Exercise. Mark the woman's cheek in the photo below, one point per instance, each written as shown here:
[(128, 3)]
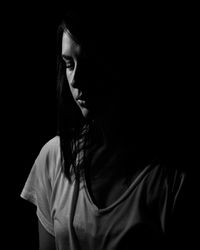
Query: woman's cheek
[(69, 76)]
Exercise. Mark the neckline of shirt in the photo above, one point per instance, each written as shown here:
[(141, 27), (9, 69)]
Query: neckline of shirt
[(125, 194)]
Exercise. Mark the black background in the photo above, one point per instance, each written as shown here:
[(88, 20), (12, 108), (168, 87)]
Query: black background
[(28, 97), (28, 116)]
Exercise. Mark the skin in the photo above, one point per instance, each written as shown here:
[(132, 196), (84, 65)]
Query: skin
[(71, 54)]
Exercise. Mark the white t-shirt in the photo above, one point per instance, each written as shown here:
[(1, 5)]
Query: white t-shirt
[(66, 210)]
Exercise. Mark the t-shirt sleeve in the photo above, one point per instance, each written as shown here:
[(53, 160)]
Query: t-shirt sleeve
[(38, 190)]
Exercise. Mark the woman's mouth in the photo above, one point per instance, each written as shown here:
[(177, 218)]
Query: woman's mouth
[(81, 102)]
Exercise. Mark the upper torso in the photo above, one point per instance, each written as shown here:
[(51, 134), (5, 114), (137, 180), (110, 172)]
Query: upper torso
[(135, 213)]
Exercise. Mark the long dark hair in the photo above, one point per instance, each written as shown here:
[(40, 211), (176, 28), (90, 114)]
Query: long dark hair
[(70, 121)]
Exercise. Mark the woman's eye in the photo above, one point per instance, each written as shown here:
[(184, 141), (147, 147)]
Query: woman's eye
[(68, 62)]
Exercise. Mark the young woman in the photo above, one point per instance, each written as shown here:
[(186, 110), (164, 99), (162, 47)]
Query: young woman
[(97, 184)]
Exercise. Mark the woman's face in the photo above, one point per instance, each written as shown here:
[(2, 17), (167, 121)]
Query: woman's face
[(88, 73), (76, 76)]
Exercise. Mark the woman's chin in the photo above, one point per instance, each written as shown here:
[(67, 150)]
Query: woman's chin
[(85, 112)]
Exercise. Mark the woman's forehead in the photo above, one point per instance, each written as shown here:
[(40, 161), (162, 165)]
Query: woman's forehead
[(90, 49), (69, 46)]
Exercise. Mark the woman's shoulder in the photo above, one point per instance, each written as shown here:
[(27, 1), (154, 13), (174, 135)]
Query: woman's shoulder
[(51, 147), (49, 155), (52, 143), (165, 179), (165, 169), (166, 173)]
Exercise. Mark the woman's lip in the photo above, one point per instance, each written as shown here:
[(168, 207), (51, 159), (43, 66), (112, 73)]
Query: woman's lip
[(81, 101)]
